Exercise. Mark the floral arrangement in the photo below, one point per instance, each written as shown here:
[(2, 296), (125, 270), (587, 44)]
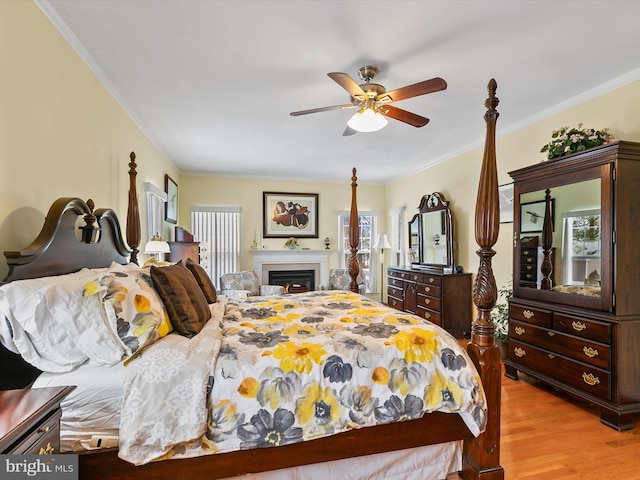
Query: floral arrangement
[(500, 313), (291, 243), (571, 140)]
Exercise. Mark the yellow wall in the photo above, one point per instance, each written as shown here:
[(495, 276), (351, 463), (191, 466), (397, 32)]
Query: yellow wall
[(247, 194), (63, 134)]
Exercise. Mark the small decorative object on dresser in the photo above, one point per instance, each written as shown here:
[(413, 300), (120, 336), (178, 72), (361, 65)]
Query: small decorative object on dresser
[(574, 318), (30, 420)]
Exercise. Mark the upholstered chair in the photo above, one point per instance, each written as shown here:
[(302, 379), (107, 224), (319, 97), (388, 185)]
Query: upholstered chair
[(246, 284), (339, 279)]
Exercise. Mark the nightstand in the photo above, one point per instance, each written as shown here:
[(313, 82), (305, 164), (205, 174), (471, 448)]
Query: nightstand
[(30, 420)]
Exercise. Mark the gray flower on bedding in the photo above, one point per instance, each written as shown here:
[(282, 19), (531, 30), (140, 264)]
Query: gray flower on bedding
[(376, 330), (265, 430), (262, 340), (339, 305), (452, 361), (278, 388), (259, 312), (360, 402), (336, 370), (397, 410), (312, 319)]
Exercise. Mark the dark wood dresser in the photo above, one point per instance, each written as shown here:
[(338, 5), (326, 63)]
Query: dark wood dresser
[(580, 331), (184, 250), (30, 420), (442, 299)]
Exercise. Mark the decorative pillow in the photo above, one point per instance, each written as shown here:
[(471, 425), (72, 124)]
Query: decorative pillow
[(185, 303), (134, 309), (55, 325), (201, 276)]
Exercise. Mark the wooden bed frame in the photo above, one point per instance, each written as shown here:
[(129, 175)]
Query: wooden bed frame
[(56, 251)]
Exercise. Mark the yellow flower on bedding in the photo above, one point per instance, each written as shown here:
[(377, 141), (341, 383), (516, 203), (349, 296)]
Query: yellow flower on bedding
[(367, 312), (142, 304), (319, 405), (285, 318), (298, 330), (249, 387), (417, 344), (442, 391), (298, 356), (93, 287), (400, 319), (380, 376)]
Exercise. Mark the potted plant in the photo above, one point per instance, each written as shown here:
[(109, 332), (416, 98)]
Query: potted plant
[(500, 317), (566, 141)]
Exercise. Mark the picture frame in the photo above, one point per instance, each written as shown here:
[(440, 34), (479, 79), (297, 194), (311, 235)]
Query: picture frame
[(532, 216), (289, 215), (505, 193), (171, 206)]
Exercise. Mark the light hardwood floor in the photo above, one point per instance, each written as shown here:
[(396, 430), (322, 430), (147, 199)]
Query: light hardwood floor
[(547, 435)]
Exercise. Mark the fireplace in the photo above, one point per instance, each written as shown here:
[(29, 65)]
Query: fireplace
[(267, 261), (293, 281)]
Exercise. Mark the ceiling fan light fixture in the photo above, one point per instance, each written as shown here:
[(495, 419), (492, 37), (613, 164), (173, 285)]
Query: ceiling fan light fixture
[(367, 120)]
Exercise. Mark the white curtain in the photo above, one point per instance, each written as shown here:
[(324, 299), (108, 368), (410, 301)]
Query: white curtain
[(156, 199), (398, 235), (219, 228)]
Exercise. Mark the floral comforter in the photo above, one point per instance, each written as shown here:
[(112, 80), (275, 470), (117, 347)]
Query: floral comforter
[(299, 367)]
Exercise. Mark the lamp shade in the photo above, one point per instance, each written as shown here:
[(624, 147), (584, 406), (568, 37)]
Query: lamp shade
[(382, 242), (156, 245), (367, 120)]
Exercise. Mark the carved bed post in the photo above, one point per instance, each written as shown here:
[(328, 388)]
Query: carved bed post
[(482, 455), (133, 213), (354, 235), (546, 267)]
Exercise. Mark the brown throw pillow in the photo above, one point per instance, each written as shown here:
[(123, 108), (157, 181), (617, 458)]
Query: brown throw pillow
[(205, 283), (186, 305)]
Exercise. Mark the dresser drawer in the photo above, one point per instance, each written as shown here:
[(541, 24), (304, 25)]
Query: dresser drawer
[(395, 303), (399, 274), (530, 315), (433, 280), (43, 440), (428, 289), (431, 303), (432, 316), (395, 282), (530, 277), (394, 291), (595, 354), (581, 327), (584, 377)]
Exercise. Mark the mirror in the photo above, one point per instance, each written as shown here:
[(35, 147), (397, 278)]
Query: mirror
[(576, 239), (431, 234)]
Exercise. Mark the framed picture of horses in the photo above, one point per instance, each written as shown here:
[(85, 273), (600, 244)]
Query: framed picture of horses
[(290, 215)]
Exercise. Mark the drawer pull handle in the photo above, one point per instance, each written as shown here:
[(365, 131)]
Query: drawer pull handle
[(44, 430), (519, 330), (427, 315), (590, 379), (431, 279), (578, 326), (590, 352), (528, 314), (48, 450), (519, 352), (403, 275), (427, 301), (551, 356), (427, 289), (551, 334)]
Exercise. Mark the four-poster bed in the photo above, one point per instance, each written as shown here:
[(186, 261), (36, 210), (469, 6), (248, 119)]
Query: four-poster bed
[(56, 252)]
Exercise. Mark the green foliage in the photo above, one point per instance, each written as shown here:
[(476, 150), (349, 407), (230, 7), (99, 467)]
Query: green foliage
[(566, 141), (500, 313)]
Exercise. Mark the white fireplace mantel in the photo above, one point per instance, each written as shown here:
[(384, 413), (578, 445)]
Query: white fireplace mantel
[(263, 259)]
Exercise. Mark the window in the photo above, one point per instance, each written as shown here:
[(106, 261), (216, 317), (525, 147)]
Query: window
[(219, 228), (398, 236), (367, 223)]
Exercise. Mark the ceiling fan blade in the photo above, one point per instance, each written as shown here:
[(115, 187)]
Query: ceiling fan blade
[(403, 116), (348, 83), (349, 131), (415, 90), (322, 109)]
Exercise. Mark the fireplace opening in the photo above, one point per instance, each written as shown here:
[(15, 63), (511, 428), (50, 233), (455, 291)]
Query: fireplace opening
[(293, 281)]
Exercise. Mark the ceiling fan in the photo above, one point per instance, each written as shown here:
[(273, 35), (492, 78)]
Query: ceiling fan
[(374, 102)]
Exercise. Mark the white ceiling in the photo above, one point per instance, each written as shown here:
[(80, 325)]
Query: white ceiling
[(212, 82)]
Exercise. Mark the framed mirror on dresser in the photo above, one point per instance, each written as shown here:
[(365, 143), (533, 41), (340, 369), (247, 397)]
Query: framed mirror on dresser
[(575, 312), (430, 286)]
